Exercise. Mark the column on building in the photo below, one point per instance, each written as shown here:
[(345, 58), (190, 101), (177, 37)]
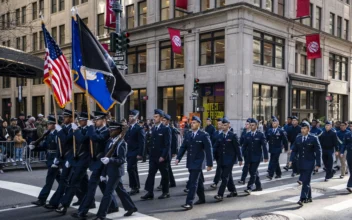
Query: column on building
[(151, 78), (29, 96), (47, 101), (13, 97)]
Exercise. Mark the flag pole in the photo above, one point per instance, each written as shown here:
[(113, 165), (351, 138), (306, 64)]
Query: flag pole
[(88, 106), (73, 94), (52, 96)]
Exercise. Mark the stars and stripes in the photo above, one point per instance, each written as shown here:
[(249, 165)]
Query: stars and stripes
[(56, 64)]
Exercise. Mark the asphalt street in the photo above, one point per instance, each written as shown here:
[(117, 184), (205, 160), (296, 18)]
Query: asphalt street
[(277, 201)]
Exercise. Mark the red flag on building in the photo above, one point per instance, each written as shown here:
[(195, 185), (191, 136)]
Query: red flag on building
[(182, 4), (110, 19), (175, 38), (313, 46), (303, 8), (106, 47)]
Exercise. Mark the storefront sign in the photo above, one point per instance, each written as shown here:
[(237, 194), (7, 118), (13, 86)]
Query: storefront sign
[(308, 85), (219, 89), (207, 90)]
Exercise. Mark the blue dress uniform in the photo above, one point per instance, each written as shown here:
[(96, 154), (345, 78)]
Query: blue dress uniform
[(218, 171), (198, 147), (50, 146), (308, 151), (161, 147), (135, 138), (227, 148), (254, 147), (79, 180), (246, 165), (291, 135), (99, 137), (347, 148), (115, 170), (329, 144), (315, 130), (276, 139), (66, 138)]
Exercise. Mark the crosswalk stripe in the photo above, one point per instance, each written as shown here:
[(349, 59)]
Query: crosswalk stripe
[(340, 206), (295, 199), (339, 187)]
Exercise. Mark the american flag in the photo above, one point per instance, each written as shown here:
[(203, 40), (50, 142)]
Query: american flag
[(56, 64)]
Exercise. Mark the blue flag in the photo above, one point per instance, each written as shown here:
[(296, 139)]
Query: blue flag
[(97, 81)]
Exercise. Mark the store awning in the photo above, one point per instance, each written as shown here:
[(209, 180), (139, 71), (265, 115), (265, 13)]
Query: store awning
[(16, 63)]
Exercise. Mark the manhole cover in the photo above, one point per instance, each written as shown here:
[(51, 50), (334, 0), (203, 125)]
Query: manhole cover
[(269, 216)]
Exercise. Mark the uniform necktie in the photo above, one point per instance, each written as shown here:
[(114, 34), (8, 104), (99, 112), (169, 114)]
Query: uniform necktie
[(253, 134), (304, 139), (274, 131)]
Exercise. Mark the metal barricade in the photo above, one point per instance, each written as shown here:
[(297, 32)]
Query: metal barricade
[(34, 157), (13, 155)]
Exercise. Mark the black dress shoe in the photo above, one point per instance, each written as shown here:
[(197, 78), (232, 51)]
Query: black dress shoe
[(61, 210), (187, 206), (164, 196), (293, 175), (92, 206), (308, 200), (248, 191), (300, 202), (299, 182), (147, 196), (277, 177), (113, 210), (79, 215), (269, 177), (286, 168), (199, 202), (186, 190), (78, 203), (130, 212), (133, 192), (232, 194), (38, 202), (214, 186), (257, 189), (324, 169), (341, 177), (241, 182), (159, 187), (349, 189), (219, 198), (51, 207)]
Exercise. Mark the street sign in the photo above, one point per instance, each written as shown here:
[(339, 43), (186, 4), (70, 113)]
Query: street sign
[(195, 94), (193, 98), (122, 67), (119, 58)]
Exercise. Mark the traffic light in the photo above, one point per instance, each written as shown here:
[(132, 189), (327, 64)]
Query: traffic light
[(119, 41), (196, 85)]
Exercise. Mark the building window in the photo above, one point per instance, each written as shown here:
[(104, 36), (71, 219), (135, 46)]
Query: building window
[(38, 81), (8, 19), (167, 58), (23, 19), (62, 5), (75, 2), (312, 67), (303, 69), (21, 82), (219, 3), (142, 13), (338, 67), (18, 17), (62, 34), (24, 43), (18, 43), (269, 5), (54, 33), (41, 6), (268, 50), (266, 101), (137, 59), (258, 3), (35, 41), (339, 26), (332, 24), (337, 106), (100, 24), (84, 1), (164, 10), (8, 43), (136, 101), (212, 48), (37, 105), (53, 6), (85, 21), (34, 11), (318, 18), (177, 12), (130, 16), (281, 7), (3, 21), (41, 40), (345, 30), (311, 15), (21, 107), (204, 5), (6, 82)]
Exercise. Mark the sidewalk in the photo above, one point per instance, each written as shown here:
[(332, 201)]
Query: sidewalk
[(35, 166)]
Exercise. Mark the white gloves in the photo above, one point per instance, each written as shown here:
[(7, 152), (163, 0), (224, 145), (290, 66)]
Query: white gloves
[(67, 164), (105, 160), (58, 127), (90, 122), (31, 146), (56, 162), (54, 166), (74, 126), (102, 178), (6, 136)]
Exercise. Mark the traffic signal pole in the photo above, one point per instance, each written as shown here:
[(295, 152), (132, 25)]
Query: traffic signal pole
[(117, 7)]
